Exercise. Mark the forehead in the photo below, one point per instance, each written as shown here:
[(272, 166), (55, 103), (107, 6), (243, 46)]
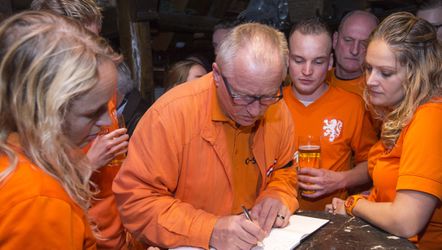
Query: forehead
[(314, 45), (380, 54), (358, 26), (433, 15)]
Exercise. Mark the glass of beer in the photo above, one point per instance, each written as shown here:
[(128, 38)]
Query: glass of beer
[(309, 154)]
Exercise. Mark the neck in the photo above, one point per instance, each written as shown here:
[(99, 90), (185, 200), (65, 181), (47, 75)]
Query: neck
[(312, 97), (345, 75)]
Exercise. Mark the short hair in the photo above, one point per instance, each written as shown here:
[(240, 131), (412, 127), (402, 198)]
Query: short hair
[(353, 12), (429, 4), (414, 43), (85, 11), (265, 44), (179, 72), (125, 82), (47, 62), (311, 26)]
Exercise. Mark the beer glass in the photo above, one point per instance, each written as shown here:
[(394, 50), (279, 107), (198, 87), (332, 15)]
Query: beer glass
[(309, 154)]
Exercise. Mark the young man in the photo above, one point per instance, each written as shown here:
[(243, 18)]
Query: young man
[(349, 44), (335, 115), (206, 149)]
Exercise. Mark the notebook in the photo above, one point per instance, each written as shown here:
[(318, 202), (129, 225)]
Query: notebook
[(289, 237), (285, 238)]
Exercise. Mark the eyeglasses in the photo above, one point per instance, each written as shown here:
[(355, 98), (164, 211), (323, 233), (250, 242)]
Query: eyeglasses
[(245, 100)]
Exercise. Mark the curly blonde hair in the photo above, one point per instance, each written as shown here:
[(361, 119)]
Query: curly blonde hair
[(414, 42), (47, 61)]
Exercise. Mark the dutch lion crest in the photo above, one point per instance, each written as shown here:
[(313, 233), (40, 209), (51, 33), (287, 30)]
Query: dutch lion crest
[(332, 129)]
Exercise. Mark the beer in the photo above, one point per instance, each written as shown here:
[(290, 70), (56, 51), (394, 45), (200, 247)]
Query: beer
[(309, 156)]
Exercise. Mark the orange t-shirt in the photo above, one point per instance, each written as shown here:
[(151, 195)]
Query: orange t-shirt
[(36, 212), (355, 86), (339, 117), (179, 174), (414, 163)]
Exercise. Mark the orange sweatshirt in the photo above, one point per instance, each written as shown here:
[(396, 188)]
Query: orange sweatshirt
[(179, 175), (415, 163), (36, 212)]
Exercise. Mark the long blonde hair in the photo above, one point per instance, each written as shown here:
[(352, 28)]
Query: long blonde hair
[(47, 61), (414, 42)]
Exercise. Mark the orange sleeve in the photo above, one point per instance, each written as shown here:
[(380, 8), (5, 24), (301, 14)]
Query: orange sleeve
[(43, 223), (144, 190), (421, 161)]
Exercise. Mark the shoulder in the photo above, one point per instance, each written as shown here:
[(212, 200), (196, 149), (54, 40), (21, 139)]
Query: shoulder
[(29, 182)]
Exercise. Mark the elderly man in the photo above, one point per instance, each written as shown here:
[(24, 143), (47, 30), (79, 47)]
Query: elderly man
[(349, 44), (336, 116), (208, 148), (431, 10)]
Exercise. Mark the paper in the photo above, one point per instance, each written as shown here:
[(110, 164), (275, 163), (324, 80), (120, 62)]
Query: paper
[(285, 238), (289, 237)]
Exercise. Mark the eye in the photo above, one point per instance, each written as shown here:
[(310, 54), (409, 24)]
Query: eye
[(386, 74), (368, 69), (347, 39), (319, 62), (97, 113)]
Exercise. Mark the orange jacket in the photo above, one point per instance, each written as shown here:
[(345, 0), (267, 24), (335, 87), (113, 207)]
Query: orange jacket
[(177, 178), (36, 212), (355, 86), (339, 117), (415, 163)]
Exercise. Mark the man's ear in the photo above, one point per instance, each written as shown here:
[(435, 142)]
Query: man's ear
[(216, 73), (335, 39), (330, 62)]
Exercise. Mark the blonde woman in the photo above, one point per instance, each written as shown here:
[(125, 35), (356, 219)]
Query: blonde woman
[(56, 79), (404, 80)]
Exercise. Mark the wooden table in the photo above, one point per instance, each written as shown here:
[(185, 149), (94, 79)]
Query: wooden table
[(344, 232)]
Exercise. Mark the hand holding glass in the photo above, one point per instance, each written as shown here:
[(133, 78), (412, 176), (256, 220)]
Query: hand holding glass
[(309, 154)]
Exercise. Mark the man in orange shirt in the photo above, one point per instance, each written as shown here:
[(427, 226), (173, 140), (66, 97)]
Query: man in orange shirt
[(349, 44), (208, 147), (335, 115)]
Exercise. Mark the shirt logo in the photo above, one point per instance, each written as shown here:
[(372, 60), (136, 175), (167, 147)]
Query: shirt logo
[(332, 129)]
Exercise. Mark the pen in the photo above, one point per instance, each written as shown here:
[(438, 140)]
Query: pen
[(247, 215)]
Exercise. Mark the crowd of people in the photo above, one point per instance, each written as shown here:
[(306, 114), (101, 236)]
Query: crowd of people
[(85, 163)]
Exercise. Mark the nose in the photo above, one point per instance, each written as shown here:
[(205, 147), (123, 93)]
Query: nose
[(370, 78), (354, 50), (254, 108), (104, 120), (307, 69)]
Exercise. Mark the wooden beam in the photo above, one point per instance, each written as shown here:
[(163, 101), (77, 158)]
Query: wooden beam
[(186, 23), (135, 42)]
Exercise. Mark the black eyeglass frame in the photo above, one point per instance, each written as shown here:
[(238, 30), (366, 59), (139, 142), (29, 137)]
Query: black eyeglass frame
[(238, 97)]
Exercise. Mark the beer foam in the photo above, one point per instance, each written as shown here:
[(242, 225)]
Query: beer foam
[(309, 147)]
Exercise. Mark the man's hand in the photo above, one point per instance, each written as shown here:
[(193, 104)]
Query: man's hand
[(322, 181), (235, 232), (105, 147), (271, 212)]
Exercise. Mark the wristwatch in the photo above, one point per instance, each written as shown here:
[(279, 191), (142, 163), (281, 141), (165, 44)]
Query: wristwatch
[(350, 203)]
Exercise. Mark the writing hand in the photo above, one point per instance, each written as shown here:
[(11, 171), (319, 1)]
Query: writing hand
[(235, 232), (270, 212)]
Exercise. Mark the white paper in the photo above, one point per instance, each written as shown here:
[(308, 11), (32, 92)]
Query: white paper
[(289, 237)]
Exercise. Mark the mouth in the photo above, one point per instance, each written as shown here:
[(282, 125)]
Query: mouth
[(372, 92), (305, 81)]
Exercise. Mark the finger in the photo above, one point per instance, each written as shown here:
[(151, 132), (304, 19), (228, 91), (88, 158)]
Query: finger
[(309, 171), (309, 186), (119, 147), (329, 208), (118, 132), (253, 233), (270, 219)]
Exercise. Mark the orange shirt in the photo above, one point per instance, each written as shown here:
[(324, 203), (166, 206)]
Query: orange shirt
[(415, 163), (339, 117), (179, 175), (36, 212), (355, 86)]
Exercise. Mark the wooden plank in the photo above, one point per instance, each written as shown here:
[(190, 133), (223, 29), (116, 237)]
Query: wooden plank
[(136, 47)]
